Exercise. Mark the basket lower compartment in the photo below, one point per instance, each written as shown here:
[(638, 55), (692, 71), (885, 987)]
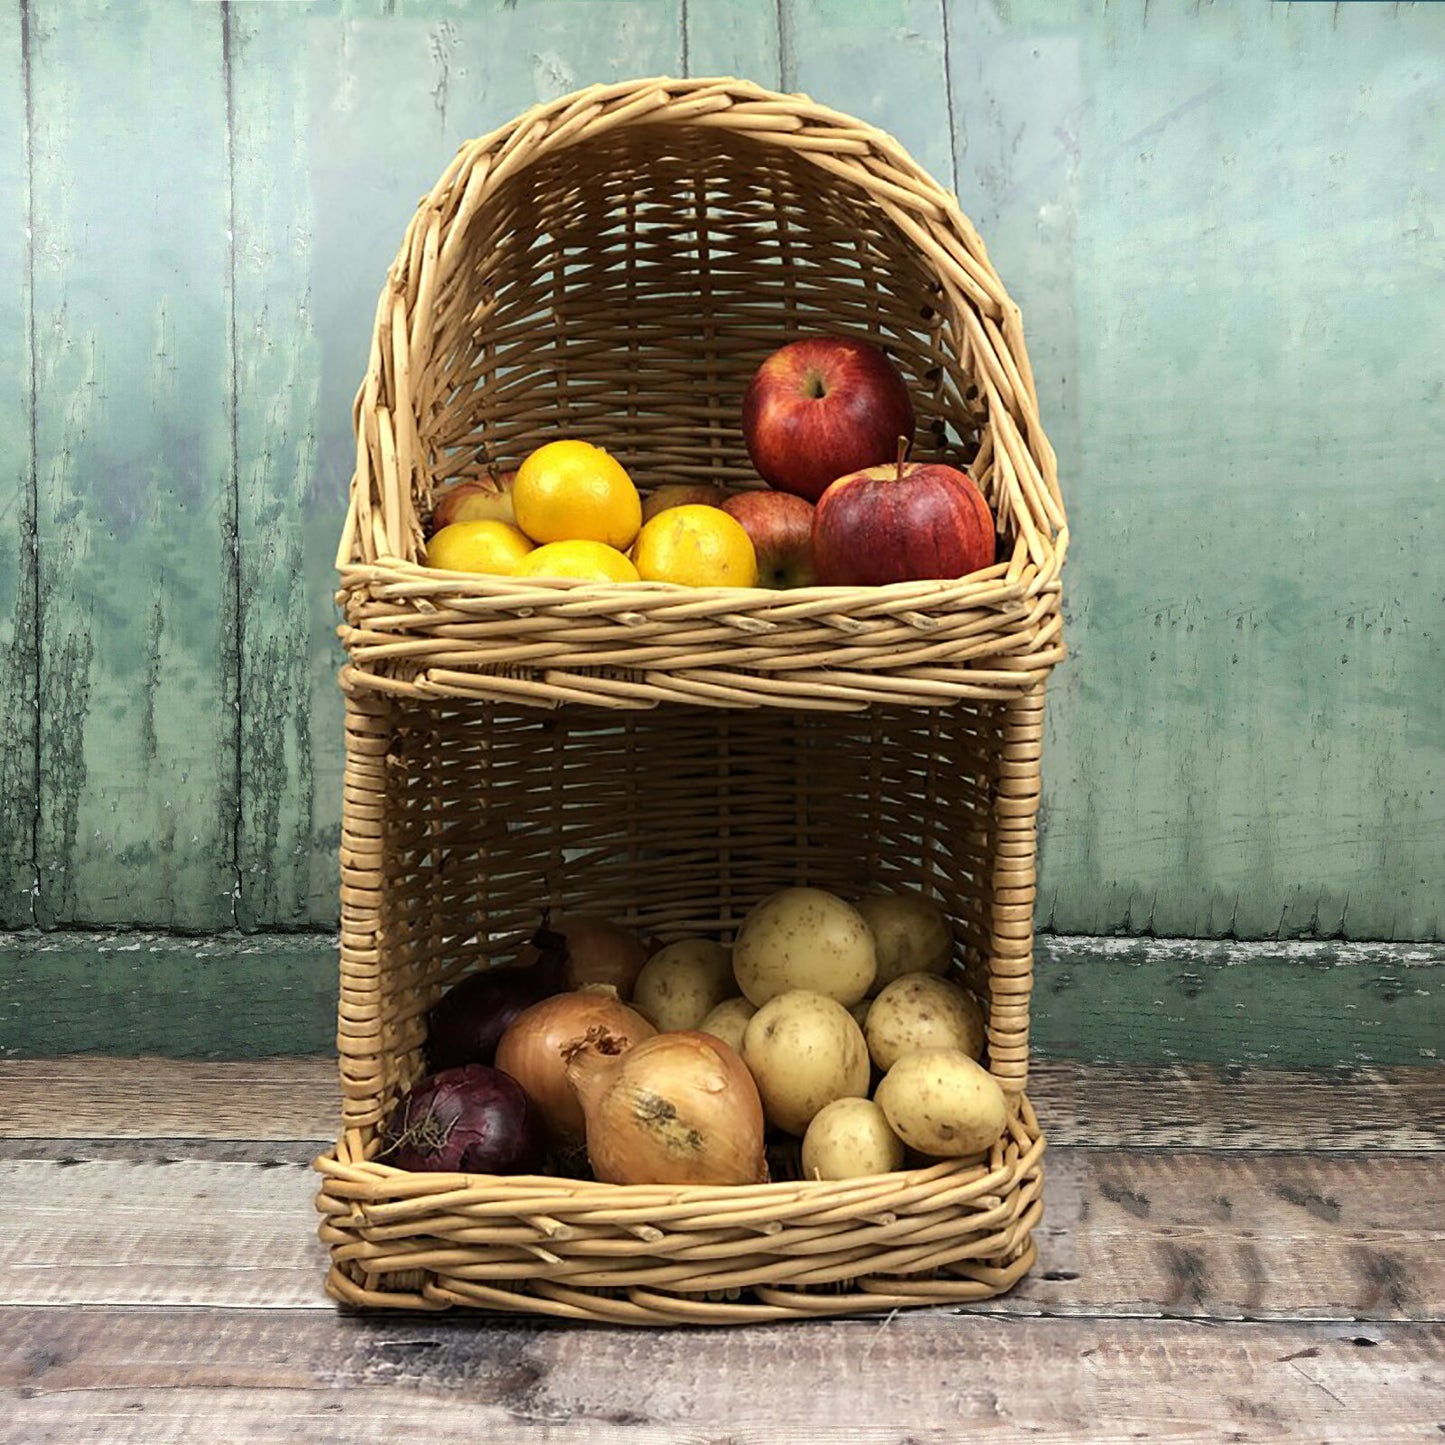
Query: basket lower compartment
[(953, 1233)]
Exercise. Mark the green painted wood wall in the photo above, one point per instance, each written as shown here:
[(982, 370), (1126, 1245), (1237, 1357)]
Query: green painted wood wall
[(1224, 224)]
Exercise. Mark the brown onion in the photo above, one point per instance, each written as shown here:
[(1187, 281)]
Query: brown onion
[(534, 1050), (675, 1109), (600, 951)]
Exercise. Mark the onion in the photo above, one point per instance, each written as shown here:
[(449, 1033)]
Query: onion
[(534, 1050), (472, 1120), (675, 1109), (465, 1023), (600, 951)]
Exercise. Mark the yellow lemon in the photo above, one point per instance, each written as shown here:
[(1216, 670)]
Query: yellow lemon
[(589, 561), (698, 547), (478, 547), (572, 491)]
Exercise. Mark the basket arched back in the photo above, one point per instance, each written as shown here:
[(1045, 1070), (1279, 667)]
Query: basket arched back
[(614, 265)]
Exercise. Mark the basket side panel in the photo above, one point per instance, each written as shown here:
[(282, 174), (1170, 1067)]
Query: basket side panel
[(467, 823)]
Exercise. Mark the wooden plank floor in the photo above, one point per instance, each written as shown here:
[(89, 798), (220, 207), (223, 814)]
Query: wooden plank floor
[(1226, 1255)]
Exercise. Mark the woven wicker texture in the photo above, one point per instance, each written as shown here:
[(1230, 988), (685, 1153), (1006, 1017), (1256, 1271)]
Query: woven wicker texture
[(614, 266)]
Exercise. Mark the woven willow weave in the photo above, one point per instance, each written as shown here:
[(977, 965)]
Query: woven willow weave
[(613, 266)]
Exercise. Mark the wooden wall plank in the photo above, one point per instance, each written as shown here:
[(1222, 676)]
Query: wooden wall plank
[(1139, 1001), (932, 1379), (884, 61), (1194, 1235), (18, 658), (733, 37), (1365, 1111), (447, 73), (1247, 739), (277, 379), (137, 567)]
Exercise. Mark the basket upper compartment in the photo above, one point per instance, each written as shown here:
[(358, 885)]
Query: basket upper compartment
[(614, 266)]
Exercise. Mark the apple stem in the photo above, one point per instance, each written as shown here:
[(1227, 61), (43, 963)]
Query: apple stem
[(902, 457)]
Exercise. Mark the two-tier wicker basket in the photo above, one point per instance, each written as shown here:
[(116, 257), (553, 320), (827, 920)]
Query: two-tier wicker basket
[(613, 266)]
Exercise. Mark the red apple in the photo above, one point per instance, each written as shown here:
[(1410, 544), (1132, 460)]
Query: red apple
[(903, 522), (821, 407), (478, 499), (682, 494), (781, 528)]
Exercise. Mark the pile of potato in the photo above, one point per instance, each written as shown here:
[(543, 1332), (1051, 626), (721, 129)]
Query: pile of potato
[(816, 995)]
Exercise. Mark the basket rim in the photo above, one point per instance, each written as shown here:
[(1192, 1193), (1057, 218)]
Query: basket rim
[(841, 146)]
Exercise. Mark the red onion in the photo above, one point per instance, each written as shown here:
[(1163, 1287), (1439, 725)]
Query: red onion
[(472, 1120), (466, 1023)]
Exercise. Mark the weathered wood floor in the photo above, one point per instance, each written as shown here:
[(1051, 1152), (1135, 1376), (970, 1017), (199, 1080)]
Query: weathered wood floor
[(1227, 1255)]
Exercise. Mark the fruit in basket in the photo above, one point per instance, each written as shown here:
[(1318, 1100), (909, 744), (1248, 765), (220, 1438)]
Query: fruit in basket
[(682, 494), (696, 547), (472, 1120), (849, 1139), (804, 1050), (534, 1051), (911, 933), (478, 547), (579, 560), (681, 984), (729, 1021), (680, 1108), (569, 491), (821, 407), (476, 499), (780, 527), (921, 1011), (942, 1103), (804, 938), (902, 522)]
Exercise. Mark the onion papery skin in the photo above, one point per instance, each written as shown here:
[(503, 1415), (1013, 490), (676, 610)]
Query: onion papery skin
[(679, 1108), (600, 951), (472, 1120), (534, 1051), (467, 1022)]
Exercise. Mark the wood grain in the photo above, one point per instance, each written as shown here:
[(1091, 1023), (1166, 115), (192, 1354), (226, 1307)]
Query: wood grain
[(276, 360), (1089, 1105), (266, 1374), (733, 37), (1200, 1235), (883, 61), (18, 659), (137, 568), (1249, 739)]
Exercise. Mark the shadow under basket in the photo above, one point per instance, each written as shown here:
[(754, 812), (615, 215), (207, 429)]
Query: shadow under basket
[(615, 265)]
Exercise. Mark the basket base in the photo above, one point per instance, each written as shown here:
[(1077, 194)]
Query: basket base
[(951, 1234)]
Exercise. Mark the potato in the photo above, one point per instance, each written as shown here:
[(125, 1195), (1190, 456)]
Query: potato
[(940, 1102), (682, 983), (849, 1138), (911, 934), (803, 938), (859, 1011), (728, 1021), (804, 1051), (921, 1011)]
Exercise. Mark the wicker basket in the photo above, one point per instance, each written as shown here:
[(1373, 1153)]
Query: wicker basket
[(613, 266)]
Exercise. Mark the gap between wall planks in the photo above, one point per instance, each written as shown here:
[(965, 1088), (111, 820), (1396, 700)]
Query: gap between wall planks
[(1156, 1001)]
